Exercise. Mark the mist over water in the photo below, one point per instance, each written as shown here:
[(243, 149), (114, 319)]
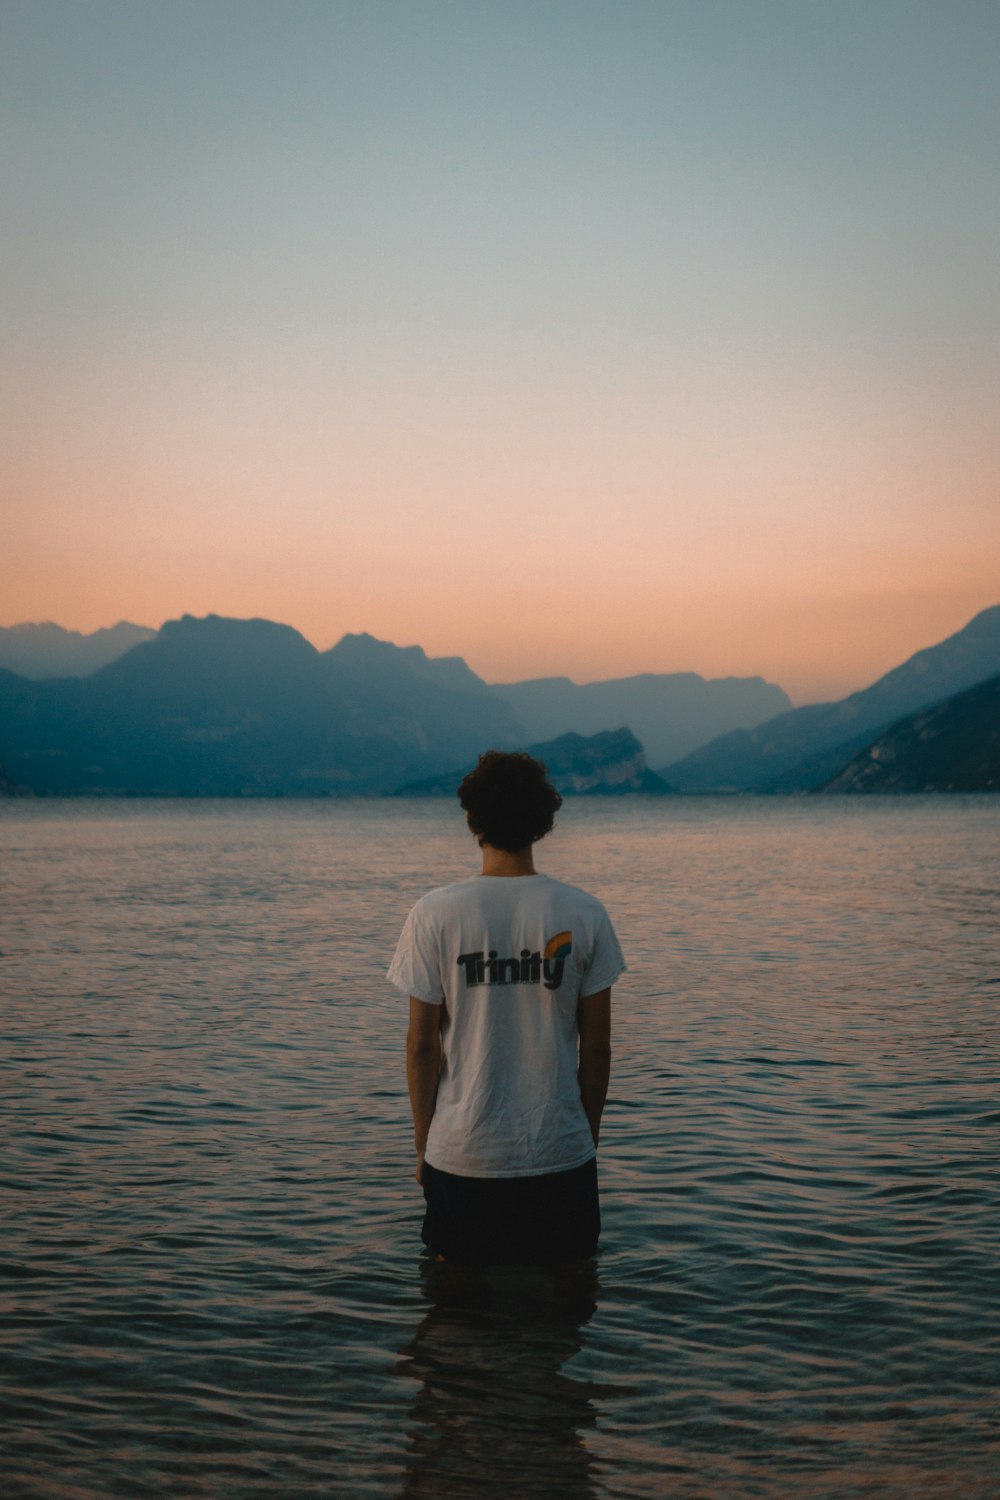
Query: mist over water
[(211, 1278)]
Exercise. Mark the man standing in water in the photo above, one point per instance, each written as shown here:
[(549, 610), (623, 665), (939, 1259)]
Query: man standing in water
[(508, 1050)]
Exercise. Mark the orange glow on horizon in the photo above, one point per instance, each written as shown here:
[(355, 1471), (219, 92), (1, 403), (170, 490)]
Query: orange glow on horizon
[(678, 366)]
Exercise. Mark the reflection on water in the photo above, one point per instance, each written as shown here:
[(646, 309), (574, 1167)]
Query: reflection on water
[(211, 1280), (495, 1414)]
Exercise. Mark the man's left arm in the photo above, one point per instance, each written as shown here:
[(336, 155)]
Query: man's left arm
[(423, 1067), (594, 1022)]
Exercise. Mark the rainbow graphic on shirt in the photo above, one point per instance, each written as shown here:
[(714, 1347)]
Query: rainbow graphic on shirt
[(560, 946)]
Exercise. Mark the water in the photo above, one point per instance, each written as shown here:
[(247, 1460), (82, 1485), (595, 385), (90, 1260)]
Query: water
[(211, 1279)]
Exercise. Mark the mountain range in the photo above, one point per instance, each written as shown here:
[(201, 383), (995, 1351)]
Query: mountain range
[(49, 650), (670, 713), (225, 707), (806, 747), (248, 707), (217, 707)]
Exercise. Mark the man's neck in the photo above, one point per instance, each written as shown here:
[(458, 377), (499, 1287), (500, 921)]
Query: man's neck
[(507, 861)]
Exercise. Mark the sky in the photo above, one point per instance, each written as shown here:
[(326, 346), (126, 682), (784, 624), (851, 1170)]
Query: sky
[(565, 336)]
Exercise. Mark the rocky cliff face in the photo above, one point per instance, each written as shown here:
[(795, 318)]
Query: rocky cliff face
[(608, 764), (611, 764), (953, 747)]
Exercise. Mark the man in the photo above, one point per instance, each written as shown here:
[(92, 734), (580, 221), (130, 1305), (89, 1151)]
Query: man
[(508, 1051)]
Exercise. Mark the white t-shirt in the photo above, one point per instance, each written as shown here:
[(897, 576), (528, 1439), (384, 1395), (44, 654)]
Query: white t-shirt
[(509, 958)]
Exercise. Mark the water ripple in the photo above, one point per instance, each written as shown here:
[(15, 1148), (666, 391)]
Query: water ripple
[(210, 1272)]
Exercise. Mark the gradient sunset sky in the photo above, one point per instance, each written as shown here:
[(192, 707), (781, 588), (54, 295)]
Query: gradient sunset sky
[(576, 337)]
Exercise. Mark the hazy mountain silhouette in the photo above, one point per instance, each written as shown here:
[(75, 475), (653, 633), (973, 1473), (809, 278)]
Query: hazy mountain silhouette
[(248, 707), (808, 746), (48, 650), (612, 763), (952, 747), (221, 707), (671, 713)]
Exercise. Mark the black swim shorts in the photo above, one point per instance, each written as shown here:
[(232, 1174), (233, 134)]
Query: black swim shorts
[(482, 1221)]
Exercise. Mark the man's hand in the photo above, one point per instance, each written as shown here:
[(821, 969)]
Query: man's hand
[(594, 1021), (419, 1174)]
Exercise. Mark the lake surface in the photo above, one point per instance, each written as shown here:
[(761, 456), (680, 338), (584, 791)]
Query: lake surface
[(211, 1277)]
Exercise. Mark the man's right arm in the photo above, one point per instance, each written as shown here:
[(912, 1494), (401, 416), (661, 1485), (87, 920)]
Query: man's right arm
[(594, 1024)]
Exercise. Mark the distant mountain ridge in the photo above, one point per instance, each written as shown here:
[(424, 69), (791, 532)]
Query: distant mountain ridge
[(49, 650), (806, 747), (222, 707), (671, 713), (218, 707)]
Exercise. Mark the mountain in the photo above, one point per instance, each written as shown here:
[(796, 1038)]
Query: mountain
[(953, 747), (395, 682), (41, 651), (226, 707), (223, 707), (805, 748), (612, 763), (671, 713)]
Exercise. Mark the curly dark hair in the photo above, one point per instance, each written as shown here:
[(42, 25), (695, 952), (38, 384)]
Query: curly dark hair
[(509, 799)]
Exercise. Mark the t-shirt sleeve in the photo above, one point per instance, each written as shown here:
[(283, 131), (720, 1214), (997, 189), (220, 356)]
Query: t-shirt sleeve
[(607, 961), (416, 968)]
